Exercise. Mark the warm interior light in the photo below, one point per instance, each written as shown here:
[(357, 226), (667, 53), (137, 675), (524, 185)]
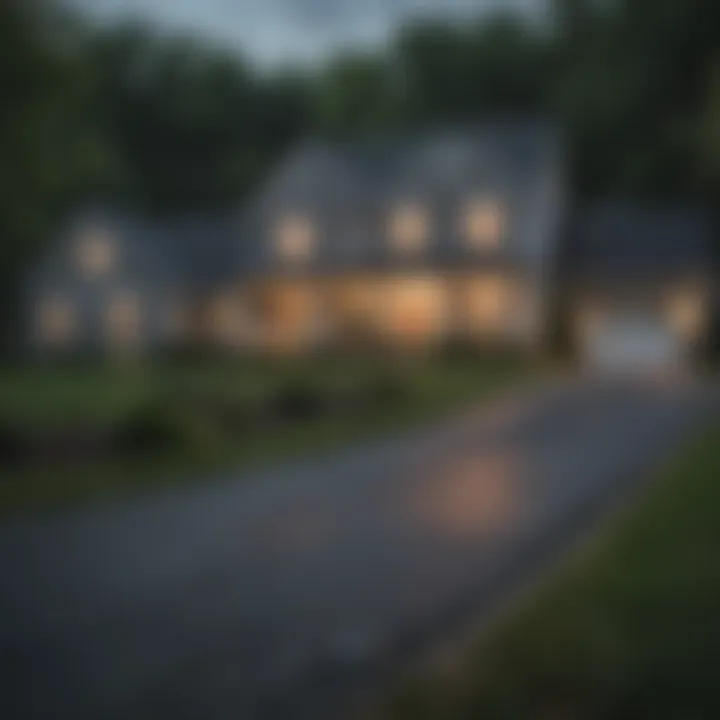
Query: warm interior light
[(686, 312), (409, 228), (483, 224), (123, 318), (96, 252), (295, 238)]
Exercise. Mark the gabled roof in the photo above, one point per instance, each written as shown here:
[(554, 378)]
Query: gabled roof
[(348, 188), (618, 240), (437, 160)]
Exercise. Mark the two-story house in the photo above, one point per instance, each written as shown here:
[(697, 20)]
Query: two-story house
[(406, 242)]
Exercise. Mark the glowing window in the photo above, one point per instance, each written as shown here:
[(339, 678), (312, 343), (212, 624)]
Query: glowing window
[(686, 312), (56, 322), (409, 228), (96, 252), (123, 318), (488, 302), (295, 238), (483, 224)]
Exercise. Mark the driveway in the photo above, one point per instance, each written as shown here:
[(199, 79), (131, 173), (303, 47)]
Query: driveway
[(284, 593)]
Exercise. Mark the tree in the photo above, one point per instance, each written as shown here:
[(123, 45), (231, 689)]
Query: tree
[(49, 147)]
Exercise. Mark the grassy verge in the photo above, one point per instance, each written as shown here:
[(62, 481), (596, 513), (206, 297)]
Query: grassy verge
[(43, 399), (632, 630)]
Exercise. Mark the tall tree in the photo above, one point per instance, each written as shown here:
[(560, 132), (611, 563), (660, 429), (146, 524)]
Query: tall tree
[(49, 146)]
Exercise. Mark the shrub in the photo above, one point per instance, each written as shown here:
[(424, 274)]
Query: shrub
[(14, 445), (227, 412), (299, 400), (157, 426), (388, 387), (466, 349), (460, 348)]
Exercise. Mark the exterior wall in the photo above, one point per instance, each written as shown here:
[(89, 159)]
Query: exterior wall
[(118, 302)]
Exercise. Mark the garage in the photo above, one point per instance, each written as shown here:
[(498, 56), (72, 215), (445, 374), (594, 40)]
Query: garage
[(632, 342), (641, 285)]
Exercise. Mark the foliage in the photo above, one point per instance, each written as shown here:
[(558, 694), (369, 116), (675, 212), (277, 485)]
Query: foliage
[(388, 386), (159, 425), (13, 443), (299, 399)]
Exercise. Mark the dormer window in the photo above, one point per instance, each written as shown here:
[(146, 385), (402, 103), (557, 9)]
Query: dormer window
[(409, 228), (95, 252), (295, 238), (483, 224)]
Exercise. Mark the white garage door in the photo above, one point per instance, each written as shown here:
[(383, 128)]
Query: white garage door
[(633, 343)]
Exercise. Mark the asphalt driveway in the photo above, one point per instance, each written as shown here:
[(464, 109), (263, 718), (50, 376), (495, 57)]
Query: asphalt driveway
[(283, 593)]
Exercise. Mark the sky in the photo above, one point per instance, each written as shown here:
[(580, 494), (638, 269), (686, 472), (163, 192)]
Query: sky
[(272, 32)]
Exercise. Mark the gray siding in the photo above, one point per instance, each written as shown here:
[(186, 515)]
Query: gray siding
[(136, 269)]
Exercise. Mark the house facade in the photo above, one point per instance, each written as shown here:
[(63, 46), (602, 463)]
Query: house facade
[(407, 243)]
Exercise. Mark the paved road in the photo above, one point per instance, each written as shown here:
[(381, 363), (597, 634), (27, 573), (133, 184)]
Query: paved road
[(277, 595)]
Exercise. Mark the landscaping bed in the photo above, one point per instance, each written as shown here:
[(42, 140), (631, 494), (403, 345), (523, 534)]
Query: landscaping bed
[(75, 432)]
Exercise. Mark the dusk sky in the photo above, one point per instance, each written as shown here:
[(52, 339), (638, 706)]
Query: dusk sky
[(269, 31)]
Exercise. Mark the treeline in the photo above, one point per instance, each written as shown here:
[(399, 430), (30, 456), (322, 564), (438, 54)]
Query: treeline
[(176, 124)]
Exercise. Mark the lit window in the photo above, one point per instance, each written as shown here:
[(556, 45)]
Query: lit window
[(295, 238), (123, 319), (96, 252), (415, 308), (55, 319), (409, 228), (488, 302), (483, 224), (686, 312)]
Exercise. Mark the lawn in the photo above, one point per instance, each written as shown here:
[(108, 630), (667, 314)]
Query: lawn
[(630, 630), (196, 419)]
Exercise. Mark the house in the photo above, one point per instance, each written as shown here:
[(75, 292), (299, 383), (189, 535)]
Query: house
[(111, 282), (405, 242), (410, 241)]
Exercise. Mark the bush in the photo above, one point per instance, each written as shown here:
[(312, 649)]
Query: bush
[(388, 387), (159, 426), (227, 412), (14, 445), (460, 348), (298, 400), (464, 349)]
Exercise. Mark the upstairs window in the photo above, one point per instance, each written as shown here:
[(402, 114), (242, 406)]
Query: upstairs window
[(483, 224), (96, 252), (409, 228), (295, 238)]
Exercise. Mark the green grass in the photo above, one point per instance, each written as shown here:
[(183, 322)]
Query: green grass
[(630, 631), (51, 399)]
